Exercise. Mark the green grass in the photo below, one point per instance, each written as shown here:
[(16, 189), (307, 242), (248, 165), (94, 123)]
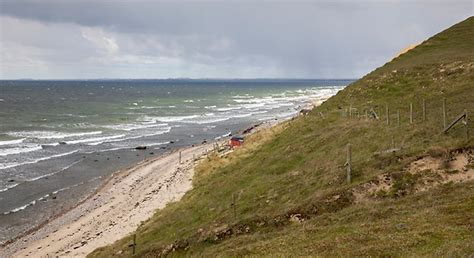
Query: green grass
[(298, 168)]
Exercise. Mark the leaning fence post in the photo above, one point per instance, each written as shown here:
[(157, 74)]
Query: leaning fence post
[(444, 112), (179, 157), (349, 163), (424, 110), (411, 113), (387, 113)]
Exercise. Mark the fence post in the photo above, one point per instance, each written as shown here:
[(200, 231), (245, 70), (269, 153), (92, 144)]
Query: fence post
[(398, 118), (411, 113), (366, 115), (424, 110), (350, 111), (134, 244), (466, 124), (387, 113), (349, 163), (444, 112), (234, 205), (179, 157)]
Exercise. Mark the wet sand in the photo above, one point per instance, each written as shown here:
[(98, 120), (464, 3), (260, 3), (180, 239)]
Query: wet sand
[(115, 210)]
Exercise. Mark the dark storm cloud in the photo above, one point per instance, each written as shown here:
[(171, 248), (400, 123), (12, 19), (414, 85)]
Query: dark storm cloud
[(283, 39)]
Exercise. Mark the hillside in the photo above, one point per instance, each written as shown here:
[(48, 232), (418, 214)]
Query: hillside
[(411, 190)]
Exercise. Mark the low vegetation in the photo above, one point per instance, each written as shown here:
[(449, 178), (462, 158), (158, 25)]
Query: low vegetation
[(285, 191)]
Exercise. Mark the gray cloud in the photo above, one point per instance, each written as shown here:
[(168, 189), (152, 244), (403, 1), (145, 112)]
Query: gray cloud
[(90, 39)]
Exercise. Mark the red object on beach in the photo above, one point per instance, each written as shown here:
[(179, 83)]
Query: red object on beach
[(236, 141)]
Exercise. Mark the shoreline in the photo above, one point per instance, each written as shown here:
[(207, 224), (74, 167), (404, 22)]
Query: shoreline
[(55, 236), (59, 237)]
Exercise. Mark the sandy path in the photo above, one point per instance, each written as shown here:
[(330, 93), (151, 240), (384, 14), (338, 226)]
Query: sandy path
[(117, 209)]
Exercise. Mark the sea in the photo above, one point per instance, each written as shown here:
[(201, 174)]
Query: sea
[(60, 139)]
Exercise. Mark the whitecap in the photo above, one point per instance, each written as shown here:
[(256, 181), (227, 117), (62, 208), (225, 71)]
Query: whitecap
[(18, 150), (16, 164), (50, 134), (12, 142)]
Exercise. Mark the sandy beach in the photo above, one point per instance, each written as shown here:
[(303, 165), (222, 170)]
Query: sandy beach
[(117, 209)]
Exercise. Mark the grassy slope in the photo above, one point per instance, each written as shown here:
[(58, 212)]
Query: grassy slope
[(297, 168)]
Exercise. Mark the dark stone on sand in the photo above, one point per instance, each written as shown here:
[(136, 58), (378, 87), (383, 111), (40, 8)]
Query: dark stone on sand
[(171, 142), (140, 148), (203, 142), (151, 153), (95, 160), (11, 180), (62, 143), (163, 148), (54, 197)]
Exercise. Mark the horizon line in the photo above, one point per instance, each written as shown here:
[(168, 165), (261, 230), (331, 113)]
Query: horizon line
[(164, 79)]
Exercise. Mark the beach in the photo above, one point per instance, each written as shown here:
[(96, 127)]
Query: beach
[(58, 169), (116, 209)]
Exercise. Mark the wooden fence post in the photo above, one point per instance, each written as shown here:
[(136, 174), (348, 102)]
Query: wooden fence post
[(398, 118), (234, 205), (444, 112), (349, 163), (134, 244), (466, 124), (411, 113), (424, 110), (179, 157), (387, 113)]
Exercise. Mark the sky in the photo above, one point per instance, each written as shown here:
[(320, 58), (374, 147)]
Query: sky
[(85, 39)]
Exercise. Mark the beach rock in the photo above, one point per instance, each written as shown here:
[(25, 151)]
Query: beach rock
[(296, 218), (62, 143), (151, 153), (11, 180), (140, 148)]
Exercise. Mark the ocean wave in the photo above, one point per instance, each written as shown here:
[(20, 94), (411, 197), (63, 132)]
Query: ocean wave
[(242, 97), (12, 142), (97, 139), (228, 108), (18, 150), (15, 210), (55, 172), (50, 134), (16, 164), (168, 119), (20, 208), (6, 188), (203, 120), (132, 127), (223, 136)]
